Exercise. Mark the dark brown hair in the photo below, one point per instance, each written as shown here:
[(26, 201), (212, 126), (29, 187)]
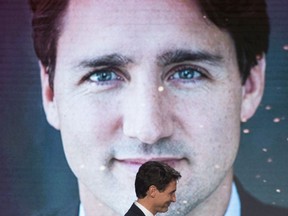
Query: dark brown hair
[(47, 25), (247, 22)]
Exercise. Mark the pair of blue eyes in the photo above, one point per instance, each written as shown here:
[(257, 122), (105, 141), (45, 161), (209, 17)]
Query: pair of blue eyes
[(107, 75)]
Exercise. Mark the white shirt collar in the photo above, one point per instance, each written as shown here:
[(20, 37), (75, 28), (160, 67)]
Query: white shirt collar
[(232, 210), (143, 209)]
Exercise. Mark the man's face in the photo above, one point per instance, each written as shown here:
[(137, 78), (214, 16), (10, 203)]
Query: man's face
[(164, 198), (141, 80)]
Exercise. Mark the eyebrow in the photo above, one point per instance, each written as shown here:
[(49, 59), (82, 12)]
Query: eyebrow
[(111, 60), (167, 58), (181, 55)]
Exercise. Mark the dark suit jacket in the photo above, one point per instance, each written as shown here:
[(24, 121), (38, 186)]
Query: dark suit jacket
[(249, 207), (134, 211)]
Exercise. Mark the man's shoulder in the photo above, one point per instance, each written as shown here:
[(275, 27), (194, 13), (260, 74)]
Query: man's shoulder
[(250, 206), (134, 211)]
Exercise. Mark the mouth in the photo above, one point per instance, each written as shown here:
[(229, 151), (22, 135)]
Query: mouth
[(135, 163)]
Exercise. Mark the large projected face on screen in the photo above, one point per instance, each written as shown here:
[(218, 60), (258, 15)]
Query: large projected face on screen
[(147, 80)]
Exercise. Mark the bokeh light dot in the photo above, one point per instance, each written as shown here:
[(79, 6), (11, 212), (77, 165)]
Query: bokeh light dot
[(160, 88), (246, 131), (268, 107)]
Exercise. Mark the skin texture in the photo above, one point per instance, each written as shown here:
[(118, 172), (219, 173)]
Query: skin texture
[(120, 99)]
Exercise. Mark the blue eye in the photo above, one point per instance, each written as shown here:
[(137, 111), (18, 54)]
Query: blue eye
[(104, 76), (186, 73)]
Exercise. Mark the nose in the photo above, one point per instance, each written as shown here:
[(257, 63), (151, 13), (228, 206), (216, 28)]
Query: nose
[(147, 114)]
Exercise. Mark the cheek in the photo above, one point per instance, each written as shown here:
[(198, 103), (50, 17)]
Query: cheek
[(224, 129), (86, 127), (211, 123), (214, 112), (86, 117)]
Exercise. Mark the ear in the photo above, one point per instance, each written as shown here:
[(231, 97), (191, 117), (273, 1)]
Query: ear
[(253, 88), (152, 191), (48, 100)]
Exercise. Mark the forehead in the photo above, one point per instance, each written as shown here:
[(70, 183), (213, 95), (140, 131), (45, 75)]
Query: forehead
[(133, 15), (135, 28), (133, 11)]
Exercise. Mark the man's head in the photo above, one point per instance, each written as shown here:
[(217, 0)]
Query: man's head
[(155, 185), (151, 80)]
